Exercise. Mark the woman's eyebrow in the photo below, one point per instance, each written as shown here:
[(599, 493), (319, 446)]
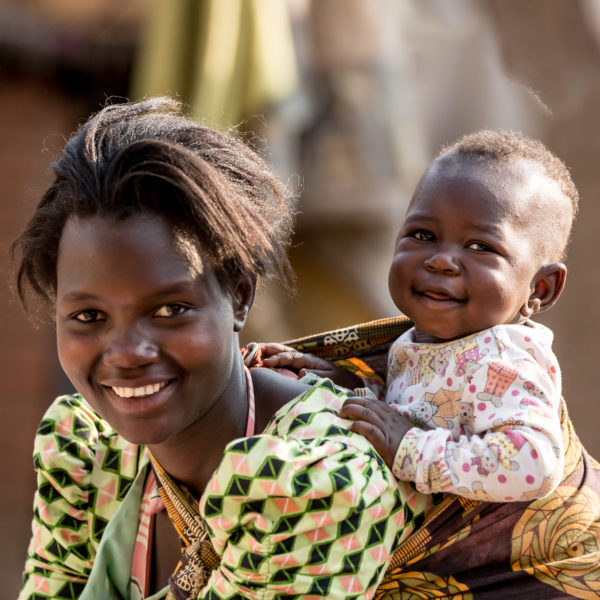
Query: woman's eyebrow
[(178, 287)]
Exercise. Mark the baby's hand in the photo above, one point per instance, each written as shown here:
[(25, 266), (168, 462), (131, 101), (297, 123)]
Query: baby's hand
[(379, 423), (278, 355)]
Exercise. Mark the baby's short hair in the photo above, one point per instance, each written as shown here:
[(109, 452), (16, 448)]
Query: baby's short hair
[(500, 146)]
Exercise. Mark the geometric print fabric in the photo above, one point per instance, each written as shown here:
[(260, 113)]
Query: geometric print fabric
[(307, 508), (324, 512), (84, 471)]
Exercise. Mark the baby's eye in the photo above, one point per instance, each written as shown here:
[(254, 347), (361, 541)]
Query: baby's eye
[(423, 236), (89, 316), (170, 310), (480, 247)]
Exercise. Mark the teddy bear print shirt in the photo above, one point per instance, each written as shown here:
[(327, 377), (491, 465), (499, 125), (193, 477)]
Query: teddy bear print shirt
[(485, 410)]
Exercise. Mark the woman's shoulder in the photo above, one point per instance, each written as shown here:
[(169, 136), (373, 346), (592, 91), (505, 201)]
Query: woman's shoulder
[(84, 471), (79, 453), (272, 391), (70, 418), (314, 413), (303, 493)]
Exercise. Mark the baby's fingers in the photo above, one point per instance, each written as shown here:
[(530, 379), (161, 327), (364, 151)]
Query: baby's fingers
[(271, 352), (278, 355), (373, 433), (362, 409), (365, 409), (285, 356)]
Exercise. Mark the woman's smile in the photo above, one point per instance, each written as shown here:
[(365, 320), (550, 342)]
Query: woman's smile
[(143, 400), (138, 392)]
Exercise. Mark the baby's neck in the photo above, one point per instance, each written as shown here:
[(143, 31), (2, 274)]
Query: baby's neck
[(422, 337)]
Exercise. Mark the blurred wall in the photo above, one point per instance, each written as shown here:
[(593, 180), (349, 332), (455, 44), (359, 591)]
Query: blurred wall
[(377, 87), (384, 94), (28, 370), (59, 61)]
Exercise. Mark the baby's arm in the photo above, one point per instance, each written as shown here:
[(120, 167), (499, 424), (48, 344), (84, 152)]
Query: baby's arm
[(505, 444), (381, 425), (280, 356)]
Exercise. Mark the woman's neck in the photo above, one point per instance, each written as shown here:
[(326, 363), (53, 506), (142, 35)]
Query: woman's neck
[(192, 456)]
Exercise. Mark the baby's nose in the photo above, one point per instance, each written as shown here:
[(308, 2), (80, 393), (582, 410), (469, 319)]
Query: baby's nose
[(442, 262)]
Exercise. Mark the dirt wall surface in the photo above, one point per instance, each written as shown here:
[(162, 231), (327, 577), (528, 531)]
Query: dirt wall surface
[(382, 85), (29, 372)]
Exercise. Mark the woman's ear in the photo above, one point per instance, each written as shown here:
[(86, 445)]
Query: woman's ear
[(243, 297), (547, 285)]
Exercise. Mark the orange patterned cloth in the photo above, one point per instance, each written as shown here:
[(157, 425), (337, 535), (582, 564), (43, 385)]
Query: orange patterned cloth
[(470, 550)]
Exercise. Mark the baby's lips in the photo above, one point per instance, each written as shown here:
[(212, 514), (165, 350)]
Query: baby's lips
[(438, 296)]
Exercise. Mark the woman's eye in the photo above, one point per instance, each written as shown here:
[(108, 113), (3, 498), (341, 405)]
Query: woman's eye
[(422, 236), (89, 316), (170, 310)]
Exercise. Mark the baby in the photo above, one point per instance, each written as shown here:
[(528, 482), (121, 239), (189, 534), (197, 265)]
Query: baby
[(473, 398)]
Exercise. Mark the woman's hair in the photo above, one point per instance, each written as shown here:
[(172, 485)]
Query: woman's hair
[(147, 157)]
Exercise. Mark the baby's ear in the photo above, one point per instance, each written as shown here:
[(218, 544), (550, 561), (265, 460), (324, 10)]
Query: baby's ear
[(548, 284)]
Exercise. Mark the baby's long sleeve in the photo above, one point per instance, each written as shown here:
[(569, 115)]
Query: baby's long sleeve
[(502, 439)]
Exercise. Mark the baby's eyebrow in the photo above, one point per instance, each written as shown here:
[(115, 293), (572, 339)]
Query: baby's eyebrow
[(491, 228), (416, 216)]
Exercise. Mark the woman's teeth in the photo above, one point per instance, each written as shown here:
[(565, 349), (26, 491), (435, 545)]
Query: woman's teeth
[(138, 392)]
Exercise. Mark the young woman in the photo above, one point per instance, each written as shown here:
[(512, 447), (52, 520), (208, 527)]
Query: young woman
[(148, 246)]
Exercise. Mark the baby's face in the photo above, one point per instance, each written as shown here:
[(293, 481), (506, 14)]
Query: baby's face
[(465, 259)]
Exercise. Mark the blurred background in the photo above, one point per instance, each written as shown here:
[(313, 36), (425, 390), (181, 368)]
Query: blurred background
[(349, 100)]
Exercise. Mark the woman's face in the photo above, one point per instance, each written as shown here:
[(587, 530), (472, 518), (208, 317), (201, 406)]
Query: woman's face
[(144, 330)]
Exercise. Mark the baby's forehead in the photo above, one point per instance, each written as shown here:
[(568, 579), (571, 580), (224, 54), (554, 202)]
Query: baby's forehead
[(515, 189), (513, 169), (521, 183)]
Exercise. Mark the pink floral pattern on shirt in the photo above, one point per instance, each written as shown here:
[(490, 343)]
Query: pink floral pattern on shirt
[(486, 410)]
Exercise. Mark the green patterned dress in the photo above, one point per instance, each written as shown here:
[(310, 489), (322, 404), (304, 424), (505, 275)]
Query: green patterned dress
[(306, 509)]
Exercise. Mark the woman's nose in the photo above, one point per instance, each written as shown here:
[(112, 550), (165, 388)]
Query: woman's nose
[(442, 262), (129, 349)]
